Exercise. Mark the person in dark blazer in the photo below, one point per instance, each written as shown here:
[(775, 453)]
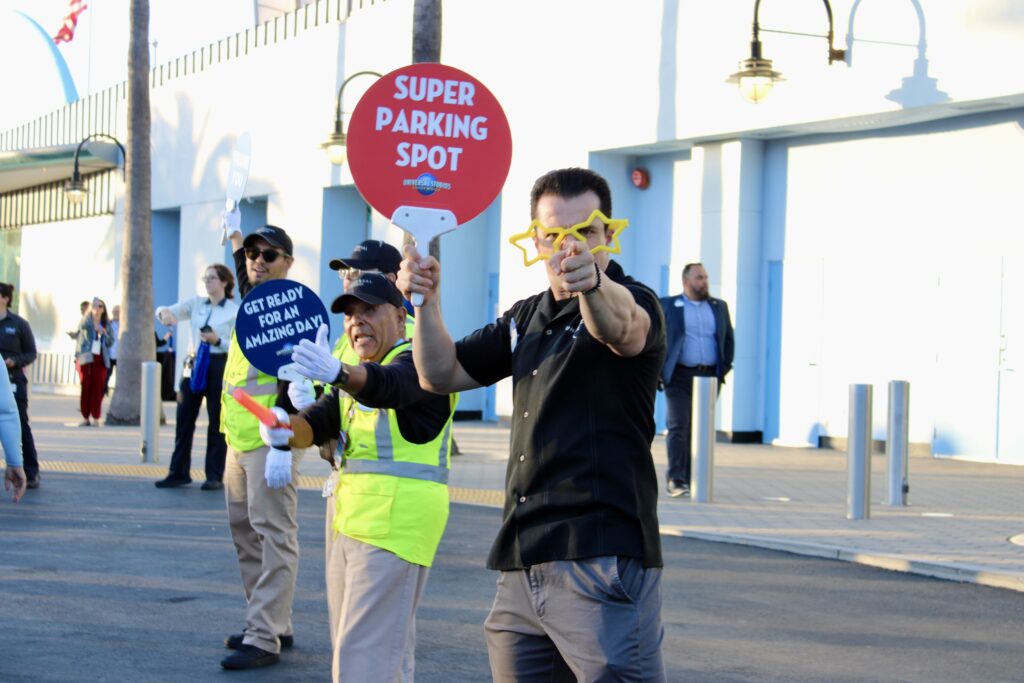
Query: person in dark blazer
[(700, 344)]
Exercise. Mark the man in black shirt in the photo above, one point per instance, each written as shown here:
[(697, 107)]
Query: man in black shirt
[(579, 547), (18, 348)]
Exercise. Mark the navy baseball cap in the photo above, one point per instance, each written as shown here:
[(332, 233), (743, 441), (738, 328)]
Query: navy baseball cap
[(371, 288), (274, 236), (371, 255)]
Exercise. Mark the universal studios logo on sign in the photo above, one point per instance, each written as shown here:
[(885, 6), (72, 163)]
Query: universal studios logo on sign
[(426, 184), (274, 317), (429, 136)]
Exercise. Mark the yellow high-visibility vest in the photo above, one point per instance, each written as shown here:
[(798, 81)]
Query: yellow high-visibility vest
[(391, 493), (241, 429)]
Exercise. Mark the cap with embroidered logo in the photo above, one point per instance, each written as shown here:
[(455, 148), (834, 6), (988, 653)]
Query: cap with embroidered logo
[(371, 288), (371, 255), (273, 235)]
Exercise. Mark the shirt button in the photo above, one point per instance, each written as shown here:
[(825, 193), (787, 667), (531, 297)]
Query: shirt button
[(547, 332), (522, 457), (526, 414), (522, 499), (534, 373)]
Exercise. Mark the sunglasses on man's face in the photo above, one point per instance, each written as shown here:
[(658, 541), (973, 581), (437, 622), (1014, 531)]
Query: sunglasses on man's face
[(269, 255)]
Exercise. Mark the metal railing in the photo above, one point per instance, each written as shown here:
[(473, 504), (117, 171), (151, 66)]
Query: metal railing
[(52, 368)]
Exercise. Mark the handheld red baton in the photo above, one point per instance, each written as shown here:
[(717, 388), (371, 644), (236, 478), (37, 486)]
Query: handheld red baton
[(262, 413)]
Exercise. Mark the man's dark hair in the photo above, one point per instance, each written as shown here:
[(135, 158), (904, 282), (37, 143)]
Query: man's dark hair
[(7, 292), (690, 266), (568, 183)]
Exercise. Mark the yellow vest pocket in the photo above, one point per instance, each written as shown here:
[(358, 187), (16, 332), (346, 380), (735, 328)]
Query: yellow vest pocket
[(364, 505)]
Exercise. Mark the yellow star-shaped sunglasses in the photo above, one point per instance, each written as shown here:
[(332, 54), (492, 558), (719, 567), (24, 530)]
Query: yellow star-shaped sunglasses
[(556, 235)]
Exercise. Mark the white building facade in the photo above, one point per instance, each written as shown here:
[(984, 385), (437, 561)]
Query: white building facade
[(861, 222)]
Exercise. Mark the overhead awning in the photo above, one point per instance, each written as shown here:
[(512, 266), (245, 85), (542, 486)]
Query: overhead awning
[(31, 167)]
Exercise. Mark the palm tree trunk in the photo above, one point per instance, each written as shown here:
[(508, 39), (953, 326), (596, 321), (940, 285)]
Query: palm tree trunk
[(426, 47), (426, 31), (136, 342)]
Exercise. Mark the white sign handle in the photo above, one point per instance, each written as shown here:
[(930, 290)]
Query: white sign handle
[(424, 225)]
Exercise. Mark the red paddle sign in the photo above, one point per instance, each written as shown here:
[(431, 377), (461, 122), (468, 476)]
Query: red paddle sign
[(430, 147)]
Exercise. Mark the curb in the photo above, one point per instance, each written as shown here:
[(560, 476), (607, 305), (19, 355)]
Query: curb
[(961, 573)]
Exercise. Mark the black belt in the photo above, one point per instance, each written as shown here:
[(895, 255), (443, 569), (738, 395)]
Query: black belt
[(698, 369)]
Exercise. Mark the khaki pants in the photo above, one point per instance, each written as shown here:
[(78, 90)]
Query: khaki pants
[(265, 530), (372, 595)]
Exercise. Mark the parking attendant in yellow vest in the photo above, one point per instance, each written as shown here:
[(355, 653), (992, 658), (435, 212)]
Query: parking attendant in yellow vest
[(392, 493)]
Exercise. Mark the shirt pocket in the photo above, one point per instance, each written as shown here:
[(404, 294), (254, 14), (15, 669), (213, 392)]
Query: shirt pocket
[(364, 505)]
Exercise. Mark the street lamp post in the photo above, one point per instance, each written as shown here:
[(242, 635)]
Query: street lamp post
[(756, 78), (335, 146), (75, 189)]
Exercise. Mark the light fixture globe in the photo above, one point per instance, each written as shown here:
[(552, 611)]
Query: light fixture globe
[(756, 78), (75, 189), (336, 148)]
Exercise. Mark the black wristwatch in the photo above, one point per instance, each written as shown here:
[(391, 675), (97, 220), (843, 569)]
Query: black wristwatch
[(342, 379)]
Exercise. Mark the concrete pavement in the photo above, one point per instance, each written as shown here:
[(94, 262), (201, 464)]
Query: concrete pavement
[(106, 579), (958, 525)]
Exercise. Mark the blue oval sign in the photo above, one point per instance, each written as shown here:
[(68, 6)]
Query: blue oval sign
[(274, 317)]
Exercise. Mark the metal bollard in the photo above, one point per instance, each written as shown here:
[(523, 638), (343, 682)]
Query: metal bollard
[(858, 453), (897, 442), (150, 412), (702, 442)]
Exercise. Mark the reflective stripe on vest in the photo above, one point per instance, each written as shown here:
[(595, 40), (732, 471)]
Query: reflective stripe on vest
[(408, 470), (252, 390), (385, 462)]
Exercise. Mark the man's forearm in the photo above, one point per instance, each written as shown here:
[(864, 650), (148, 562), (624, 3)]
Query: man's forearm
[(302, 433), (613, 317), (433, 350)]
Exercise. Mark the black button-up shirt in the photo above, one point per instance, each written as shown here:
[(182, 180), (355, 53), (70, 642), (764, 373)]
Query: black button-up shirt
[(580, 480)]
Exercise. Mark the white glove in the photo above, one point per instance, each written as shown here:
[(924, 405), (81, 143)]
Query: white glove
[(231, 222), (302, 394), (278, 471), (276, 437), (166, 317), (315, 360)]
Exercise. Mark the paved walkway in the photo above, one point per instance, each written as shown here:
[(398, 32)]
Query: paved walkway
[(958, 525)]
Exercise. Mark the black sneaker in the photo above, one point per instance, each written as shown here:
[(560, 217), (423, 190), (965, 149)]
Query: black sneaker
[(212, 485), (33, 482), (234, 642), (677, 488), (170, 482), (249, 657)]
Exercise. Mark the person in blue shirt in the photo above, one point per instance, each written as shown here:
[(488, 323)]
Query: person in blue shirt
[(10, 440)]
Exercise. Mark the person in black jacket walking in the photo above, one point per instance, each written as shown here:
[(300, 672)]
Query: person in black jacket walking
[(18, 348)]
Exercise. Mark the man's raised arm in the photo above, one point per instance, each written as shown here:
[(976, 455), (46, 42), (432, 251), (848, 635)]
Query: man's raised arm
[(433, 350)]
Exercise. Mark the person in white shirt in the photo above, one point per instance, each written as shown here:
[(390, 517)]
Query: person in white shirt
[(212, 318)]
